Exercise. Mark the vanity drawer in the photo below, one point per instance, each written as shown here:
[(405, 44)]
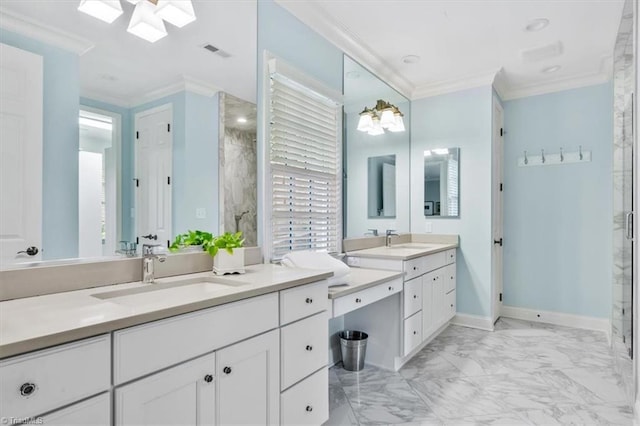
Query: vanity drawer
[(150, 347), (413, 268), (450, 305), (356, 300), (304, 347), (45, 380), (434, 261), (307, 403), (412, 332), (449, 275), (303, 301), (412, 296), (451, 256), (95, 411)]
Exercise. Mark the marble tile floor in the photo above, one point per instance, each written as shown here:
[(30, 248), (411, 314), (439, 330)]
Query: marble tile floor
[(523, 373)]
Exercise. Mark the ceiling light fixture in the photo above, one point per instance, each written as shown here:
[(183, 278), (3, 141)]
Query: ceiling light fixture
[(147, 20), (241, 120), (537, 24), (104, 10), (383, 116), (549, 70)]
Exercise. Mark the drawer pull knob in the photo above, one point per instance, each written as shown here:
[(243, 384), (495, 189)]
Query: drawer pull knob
[(451, 277), (27, 389), (390, 288), (309, 300), (309, 408), (226, 370), (415, 296), (415, 268), (452, 305), (415, 332), (434, 278), (310, 348), (208, 378), (358, 300)]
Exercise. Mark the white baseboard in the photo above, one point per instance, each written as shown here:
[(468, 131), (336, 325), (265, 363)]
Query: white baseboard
[(473, 321), (558, 318)]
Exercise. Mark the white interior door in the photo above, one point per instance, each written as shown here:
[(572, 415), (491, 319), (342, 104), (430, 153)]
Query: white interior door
[(153, 175), (20, 154), (389, 189), (496, 196), (90, 204)]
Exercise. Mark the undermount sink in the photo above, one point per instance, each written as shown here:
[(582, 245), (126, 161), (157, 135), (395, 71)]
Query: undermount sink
[(417, 246), (161, 290)]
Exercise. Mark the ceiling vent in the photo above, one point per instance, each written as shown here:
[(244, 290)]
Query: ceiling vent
[(211, 48), (538, 54)]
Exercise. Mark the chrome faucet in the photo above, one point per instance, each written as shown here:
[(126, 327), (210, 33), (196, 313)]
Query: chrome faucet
[(148, 256), (390, 232)]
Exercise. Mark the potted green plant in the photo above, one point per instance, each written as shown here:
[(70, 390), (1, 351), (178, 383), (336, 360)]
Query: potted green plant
[(227, 251), (191, 240)]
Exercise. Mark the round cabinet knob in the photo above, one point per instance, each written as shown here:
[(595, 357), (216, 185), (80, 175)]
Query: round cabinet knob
[(208, 378), (309, 348), (452, 305), (415, 268), (415, 332), (390, 288), (226, 370), (358, 300), (434, 278), (415, 296), (27, 389), (309, 408), (308, 300)]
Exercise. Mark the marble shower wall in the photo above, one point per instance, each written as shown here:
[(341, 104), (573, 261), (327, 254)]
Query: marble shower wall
[(624, 86), (240, 183)]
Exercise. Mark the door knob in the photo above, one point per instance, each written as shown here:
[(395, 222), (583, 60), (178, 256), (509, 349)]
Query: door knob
[(498, 242), (151, 236), (31, 251)]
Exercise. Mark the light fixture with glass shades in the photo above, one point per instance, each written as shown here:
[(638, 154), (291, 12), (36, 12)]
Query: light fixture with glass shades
[(383, 116), (147, 20)]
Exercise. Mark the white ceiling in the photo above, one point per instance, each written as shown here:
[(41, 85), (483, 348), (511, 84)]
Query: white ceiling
[(122, 68), (464, 43), (362, 88)]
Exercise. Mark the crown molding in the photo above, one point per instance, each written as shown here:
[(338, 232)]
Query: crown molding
[(556, 86), (184, 84), (338, 34), (501, 84), (449, 86), (106, 98), (14, 22)]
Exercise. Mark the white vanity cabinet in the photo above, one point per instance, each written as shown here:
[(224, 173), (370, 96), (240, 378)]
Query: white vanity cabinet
[(184, 394), (95, 411)]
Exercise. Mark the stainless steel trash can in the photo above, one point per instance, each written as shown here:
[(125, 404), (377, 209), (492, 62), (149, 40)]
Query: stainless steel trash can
[(353, 346)]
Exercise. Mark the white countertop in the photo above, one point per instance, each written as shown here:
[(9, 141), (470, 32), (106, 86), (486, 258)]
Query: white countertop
[(362, 278), (404, 251), (38, 322)]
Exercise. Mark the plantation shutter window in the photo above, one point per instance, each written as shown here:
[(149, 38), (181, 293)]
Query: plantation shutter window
[(304, 151)]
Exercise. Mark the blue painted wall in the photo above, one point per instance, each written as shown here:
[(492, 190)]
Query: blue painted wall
[(462, 120), (283, 35), (557, 226), (61, 102), (126, 164)]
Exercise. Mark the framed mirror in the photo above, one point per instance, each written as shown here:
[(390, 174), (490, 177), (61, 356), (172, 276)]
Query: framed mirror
[(442, 182), (130, 136), (376, 158), (381, 186)]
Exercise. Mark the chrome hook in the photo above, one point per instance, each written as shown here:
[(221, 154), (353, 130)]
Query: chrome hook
[(543, 159), (526, 160), (580, 152), (561, 155)]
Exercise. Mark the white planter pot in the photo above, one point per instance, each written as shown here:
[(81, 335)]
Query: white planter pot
[(225, 263)]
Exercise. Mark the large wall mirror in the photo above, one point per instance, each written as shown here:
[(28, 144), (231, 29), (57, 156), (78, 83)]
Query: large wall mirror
[(442, 182), (132, 130), (376, 194)]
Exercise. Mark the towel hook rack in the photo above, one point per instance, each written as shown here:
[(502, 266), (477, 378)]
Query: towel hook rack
[(526, 160), (561, 155), (581, 152), (543, 159)]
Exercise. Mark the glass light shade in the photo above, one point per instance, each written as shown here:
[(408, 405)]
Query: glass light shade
[(441, 151), (386, 119), (104, 10), (398, 125), (145, 23), (365, 123), (176, 12), (376, 129)]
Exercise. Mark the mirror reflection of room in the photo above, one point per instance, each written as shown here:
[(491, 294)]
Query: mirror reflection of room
[(442, 182), (382, 186)]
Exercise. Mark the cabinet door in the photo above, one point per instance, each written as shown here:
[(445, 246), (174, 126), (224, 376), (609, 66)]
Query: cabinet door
[(95, 411), (450, 305), (248, 382), (428, 320), (438, 299), (182, 395)]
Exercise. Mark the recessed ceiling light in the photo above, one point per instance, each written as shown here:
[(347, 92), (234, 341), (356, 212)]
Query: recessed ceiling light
[(353, 75), (242, 120), (549, 70), (537, 24), (411, 59)]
